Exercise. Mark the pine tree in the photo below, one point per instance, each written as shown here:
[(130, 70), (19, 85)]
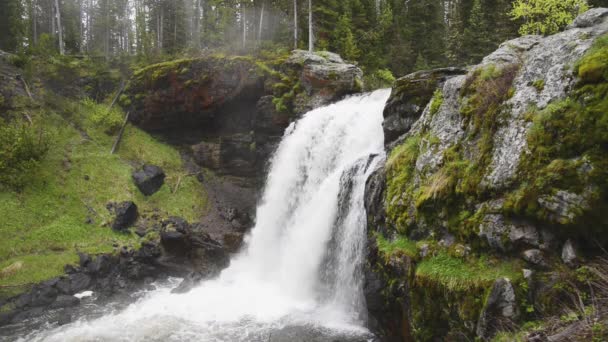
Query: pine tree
[(12, 26), (344, 40)]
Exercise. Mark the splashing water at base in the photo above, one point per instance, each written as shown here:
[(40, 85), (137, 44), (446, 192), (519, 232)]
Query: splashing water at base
[(299, 274)]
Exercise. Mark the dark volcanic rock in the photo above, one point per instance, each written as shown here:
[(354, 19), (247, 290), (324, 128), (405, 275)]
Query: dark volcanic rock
[(190, 281), (64, 301), (175, 236), (125, 214), (149, 179), (79, 282)]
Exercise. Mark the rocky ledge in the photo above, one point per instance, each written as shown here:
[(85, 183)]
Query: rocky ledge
[(230, 112)]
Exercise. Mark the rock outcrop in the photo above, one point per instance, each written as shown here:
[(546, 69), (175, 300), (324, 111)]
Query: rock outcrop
[(493, 175), (232, 111)]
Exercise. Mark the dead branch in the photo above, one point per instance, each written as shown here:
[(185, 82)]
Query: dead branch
[(120, 133)]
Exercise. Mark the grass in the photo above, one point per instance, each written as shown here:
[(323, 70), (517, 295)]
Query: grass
[(458, 274), (44, 225), (400, 245)]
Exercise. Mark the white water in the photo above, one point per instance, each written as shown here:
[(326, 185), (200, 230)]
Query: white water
[(301, 263)]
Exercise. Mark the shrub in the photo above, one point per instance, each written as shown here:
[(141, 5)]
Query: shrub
[(437, 101), (381, 78), (99, 115), (21, 149)]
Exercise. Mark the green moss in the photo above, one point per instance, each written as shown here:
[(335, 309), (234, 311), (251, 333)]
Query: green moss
[(593, 67), (437, 101), (400, 171), (539, 85)]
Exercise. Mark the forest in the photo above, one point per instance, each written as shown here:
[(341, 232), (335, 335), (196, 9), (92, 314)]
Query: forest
[(304, 170), (398, 36)]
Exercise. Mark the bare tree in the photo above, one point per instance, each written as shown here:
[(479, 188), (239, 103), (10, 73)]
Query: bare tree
[(295, 24), (310, 38), (59, 28), (34, 18), (261, 22), (244, 19)]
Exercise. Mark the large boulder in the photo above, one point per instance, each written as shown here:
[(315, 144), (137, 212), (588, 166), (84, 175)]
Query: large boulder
[(149, 179), (325, 77), (174, 236), (500, 310), (409, 97), (125, 214)]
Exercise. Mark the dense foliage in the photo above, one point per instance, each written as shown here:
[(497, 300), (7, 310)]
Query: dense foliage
[(398, 36)]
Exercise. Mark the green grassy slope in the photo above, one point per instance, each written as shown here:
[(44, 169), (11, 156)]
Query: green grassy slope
[(44, 225)]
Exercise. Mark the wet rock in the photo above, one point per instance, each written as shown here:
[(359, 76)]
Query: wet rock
[(233, 241), (79, 282), (64, 301), (268, 121), (375, 188), (149, 179), (409, 97), (504, 234), (208, 254), (125, 214), (63, 285), (99, 266), (499, 311), (174, 236), (188, 283), (535, 257), (569, 254), (64, 318), (43, 295)]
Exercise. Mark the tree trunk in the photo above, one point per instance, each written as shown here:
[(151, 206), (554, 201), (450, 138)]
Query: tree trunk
[(295, 24), (34, 17), (81, 27), (59, 28), (261, 22), (162, 19), (196, 29), (52, 19), (310, 38), (107, 35), (244, 25), (89, 6)]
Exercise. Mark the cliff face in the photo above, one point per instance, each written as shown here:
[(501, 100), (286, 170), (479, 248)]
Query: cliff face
[(232, 111), (493, 191)]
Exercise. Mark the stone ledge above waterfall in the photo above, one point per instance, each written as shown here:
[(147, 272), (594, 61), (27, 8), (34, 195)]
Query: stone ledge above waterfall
[(232, 110)]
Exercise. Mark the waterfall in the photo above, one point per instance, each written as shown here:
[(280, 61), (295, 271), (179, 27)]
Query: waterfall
[(301, 263)]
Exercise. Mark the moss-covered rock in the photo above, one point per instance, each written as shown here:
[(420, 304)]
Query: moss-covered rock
[(509, 158)]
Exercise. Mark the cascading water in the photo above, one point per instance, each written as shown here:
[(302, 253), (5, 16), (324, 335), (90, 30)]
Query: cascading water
[(301, 265)]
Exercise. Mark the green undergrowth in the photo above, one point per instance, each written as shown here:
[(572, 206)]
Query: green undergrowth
[(44, 224), (400, 245), (459, 274)]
